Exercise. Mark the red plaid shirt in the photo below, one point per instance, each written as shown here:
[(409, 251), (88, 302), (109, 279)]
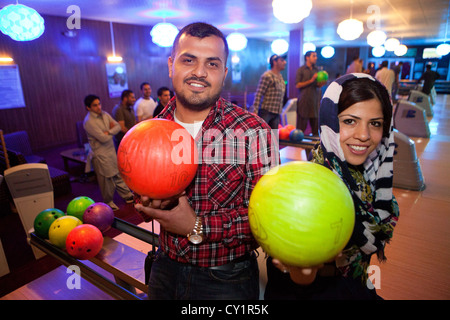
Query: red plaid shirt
[(220, 192)]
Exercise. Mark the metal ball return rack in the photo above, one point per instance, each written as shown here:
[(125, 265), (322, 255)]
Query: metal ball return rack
[(114, 258)]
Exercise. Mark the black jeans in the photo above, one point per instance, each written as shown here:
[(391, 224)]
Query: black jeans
[(173, 280), (272, 119), (281, 287)]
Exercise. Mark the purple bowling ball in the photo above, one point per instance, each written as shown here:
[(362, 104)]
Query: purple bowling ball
[(100, 215)]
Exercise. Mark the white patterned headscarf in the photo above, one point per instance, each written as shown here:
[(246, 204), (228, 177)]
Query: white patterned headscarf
[(371, 187)]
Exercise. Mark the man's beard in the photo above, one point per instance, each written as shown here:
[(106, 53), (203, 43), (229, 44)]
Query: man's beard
[(195, 102)]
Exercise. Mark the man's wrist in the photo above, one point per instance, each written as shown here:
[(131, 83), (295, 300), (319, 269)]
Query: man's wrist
[(196, 235)]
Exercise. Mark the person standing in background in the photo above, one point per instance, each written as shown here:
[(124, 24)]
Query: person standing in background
[(164, 97), (100, 129), (429, 77), (355, 66), (145, 105), (386, 76), (271, 89), (123, 113), (397, 75), (309, 94)]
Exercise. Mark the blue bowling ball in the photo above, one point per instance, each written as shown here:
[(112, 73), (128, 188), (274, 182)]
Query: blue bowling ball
[(296, 135)]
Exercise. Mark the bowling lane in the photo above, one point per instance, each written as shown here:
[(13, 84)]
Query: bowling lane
[(418, 255), (292, 154)]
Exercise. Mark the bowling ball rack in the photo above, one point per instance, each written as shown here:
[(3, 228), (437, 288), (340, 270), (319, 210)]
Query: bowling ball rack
[(307, 143), (118, 290)]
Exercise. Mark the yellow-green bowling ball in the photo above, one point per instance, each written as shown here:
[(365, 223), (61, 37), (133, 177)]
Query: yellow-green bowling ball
[(301, 213), (60, 228)]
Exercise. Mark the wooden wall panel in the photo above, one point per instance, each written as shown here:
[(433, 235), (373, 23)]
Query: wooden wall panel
[(58, 72)]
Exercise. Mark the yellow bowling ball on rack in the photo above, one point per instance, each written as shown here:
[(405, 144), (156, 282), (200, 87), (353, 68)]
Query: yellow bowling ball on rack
[(60, 228)]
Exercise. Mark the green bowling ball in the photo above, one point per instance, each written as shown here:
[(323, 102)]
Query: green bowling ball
[(322, 76), (77, 206), (44, 220)]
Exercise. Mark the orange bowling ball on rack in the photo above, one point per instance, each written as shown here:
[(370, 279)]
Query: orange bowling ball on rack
[(84, 241)]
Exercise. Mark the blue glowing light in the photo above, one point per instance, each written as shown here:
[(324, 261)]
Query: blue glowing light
[(164, 13), (21, 23)]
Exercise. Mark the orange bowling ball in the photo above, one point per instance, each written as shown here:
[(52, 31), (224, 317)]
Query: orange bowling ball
[(283, 133), (290, 127), (157, 158), (84, 241)]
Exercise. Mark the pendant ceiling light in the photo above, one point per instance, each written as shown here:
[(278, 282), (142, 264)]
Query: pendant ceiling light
[(350, 29), (235, 59), (378, 51), (444, 48), (21, 23), (376, 38), (291, 11), (391, 44), (164, 34), (237, 41), (279, 46), (401, 50), (308, 46), (327, 52)]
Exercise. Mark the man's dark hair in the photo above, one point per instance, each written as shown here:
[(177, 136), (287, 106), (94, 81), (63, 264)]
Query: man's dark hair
[(307, 54), (162, 89), (200, 30), (125, 94), (89, 99), (143, 84)]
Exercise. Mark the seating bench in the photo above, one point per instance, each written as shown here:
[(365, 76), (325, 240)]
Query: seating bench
[(60, 178), (19, 142)]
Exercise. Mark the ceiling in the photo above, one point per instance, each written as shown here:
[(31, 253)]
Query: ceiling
[(411, 21)]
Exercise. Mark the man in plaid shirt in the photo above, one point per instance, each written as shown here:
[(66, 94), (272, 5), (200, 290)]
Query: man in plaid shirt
[(206, 245), (271, 89)]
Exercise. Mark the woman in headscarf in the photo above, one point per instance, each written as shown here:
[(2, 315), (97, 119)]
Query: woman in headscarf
[(357, 144)]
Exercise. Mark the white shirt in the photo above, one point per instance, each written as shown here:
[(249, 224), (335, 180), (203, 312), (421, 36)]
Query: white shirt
[(192, 128), (143, 108), (386, 77)]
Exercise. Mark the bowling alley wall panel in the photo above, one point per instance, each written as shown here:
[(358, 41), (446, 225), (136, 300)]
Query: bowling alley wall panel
[(57, 72)]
